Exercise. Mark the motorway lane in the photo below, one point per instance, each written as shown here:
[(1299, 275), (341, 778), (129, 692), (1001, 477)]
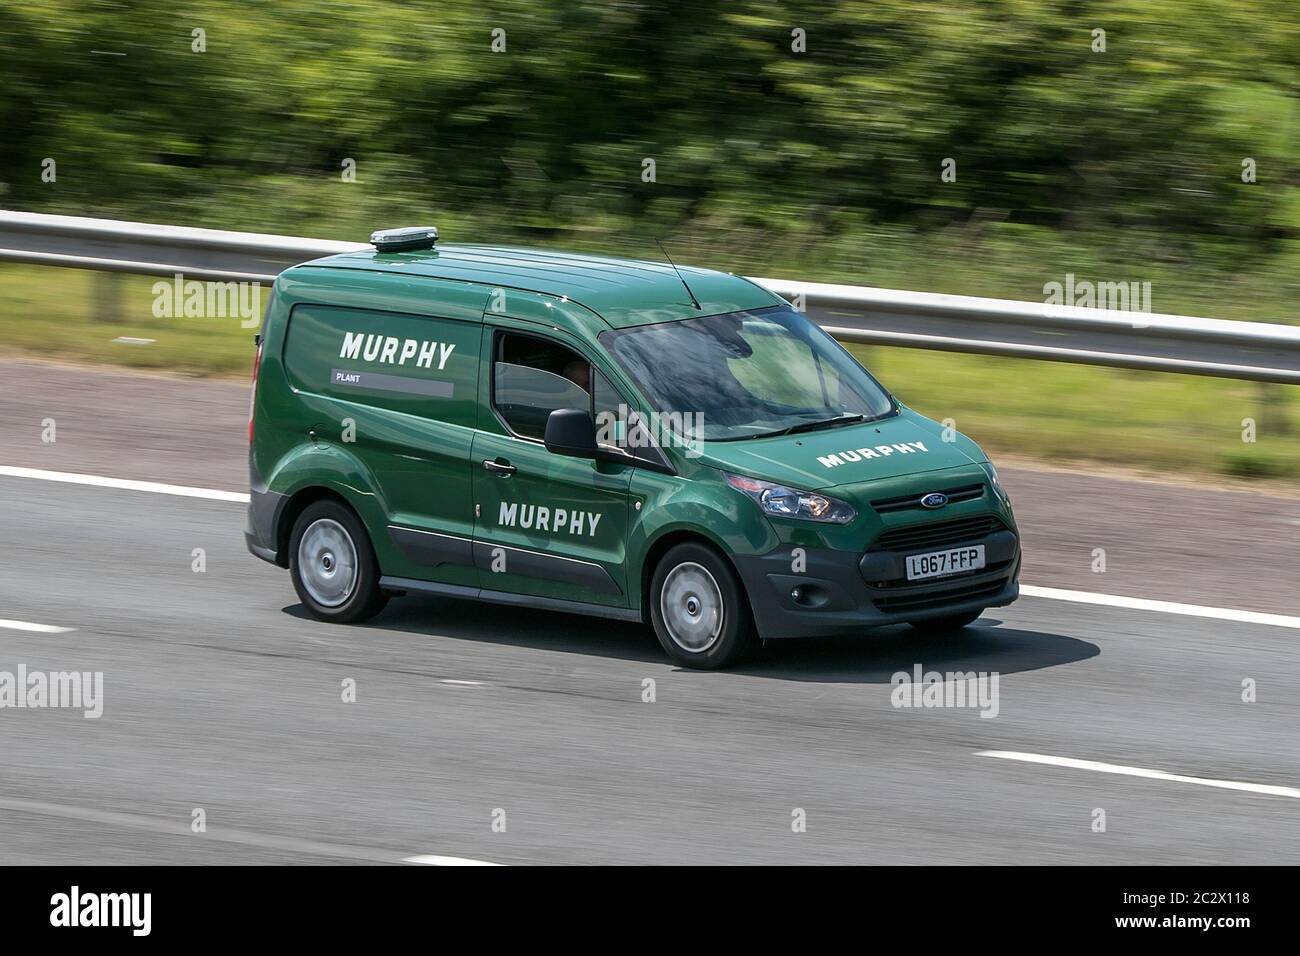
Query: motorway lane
[(220, 694), (1228, 548)]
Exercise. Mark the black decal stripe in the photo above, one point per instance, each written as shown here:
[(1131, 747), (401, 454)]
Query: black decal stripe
[(547, 567), (515, 600), (431, 548)]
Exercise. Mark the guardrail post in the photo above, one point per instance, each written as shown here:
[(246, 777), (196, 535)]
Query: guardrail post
[(1273, 401), (107, 297)]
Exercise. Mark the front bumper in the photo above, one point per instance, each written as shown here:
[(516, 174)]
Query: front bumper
[(845, 591)]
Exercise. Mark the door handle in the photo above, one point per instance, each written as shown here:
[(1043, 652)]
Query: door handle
[(498, 468)]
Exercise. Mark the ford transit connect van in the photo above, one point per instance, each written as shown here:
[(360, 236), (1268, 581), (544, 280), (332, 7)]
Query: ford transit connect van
[(603, 436)]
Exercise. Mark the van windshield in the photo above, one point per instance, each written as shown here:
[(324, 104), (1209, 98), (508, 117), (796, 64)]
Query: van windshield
[(747, 374)]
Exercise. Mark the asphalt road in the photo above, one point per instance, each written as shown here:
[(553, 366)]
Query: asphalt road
[(220, 694)]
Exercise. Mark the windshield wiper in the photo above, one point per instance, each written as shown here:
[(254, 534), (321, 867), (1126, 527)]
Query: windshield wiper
[(854, 419), (813, 426), (825, 423)]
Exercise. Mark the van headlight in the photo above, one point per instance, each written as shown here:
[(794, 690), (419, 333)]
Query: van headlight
[(782, 502), (996, 482)]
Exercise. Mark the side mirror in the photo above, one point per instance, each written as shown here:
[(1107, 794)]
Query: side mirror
[(570, 431)]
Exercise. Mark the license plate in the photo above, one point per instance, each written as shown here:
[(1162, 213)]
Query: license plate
[(937, 564)]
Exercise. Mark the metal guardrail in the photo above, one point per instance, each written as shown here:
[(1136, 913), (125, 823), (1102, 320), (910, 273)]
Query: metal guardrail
[(1256, 351), (144, 248)]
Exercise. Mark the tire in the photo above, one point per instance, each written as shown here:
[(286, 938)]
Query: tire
[(946, 625), (699, 609), (333, 565)]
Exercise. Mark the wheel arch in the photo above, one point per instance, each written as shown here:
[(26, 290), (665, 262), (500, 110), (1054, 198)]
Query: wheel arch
[(668, 540), (297, 503)]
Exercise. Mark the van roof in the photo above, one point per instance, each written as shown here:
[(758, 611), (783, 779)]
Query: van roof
[(624, 292)]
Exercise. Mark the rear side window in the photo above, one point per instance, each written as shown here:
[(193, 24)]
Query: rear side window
[(407, 363)]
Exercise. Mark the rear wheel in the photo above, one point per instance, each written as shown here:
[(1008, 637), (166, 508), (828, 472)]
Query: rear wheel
[(699, 609), (945, 625), (333, 565)]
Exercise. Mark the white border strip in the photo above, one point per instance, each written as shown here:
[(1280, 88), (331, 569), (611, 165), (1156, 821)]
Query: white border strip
[(1264, 788), (1162, 607), (173, 827), (125, 484)]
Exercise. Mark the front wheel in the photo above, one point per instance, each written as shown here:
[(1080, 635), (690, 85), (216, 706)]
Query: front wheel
[(699, 609), (945, 625), (333, 566)]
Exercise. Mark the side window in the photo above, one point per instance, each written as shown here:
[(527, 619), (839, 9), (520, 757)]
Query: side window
[(617, 427), (532, 377)]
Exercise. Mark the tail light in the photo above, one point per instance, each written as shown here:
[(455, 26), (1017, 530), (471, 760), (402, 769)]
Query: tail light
[(252, 392)]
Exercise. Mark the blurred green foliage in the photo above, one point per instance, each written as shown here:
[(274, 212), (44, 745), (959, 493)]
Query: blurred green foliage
[(747, 134)]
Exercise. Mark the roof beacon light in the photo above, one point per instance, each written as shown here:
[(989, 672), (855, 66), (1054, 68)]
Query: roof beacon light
[(400, 240)]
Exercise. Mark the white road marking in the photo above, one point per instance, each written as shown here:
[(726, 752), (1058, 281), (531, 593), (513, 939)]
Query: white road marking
[(463, 683), (38, 628), (1264, 788), (181, 828), (125, 484), (1162, 607), (447, 861), (1028, 590)]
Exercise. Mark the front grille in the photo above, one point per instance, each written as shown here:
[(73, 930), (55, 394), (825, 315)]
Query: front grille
[(960, 591), (908, 502), (937, 534)]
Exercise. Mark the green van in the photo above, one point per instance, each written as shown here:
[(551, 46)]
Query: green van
[(608, 437)]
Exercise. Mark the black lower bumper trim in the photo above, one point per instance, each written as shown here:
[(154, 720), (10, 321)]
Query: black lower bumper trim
[(258, 550), (831, 596), (264, 510)]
